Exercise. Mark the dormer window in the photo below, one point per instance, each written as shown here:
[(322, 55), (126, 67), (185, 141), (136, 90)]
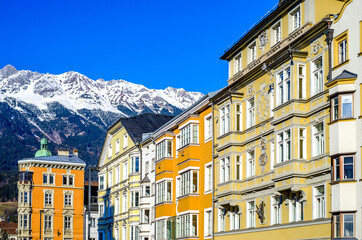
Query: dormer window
[(295, 19), (276, 33), (252, 52), (237, 63)]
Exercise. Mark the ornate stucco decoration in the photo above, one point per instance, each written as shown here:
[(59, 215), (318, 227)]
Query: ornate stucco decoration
[(263, 158), (250, 90), (260, 211), (263, 39), (263, 105), (316, 45)]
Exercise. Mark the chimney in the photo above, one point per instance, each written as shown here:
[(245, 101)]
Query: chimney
[(75, 152), (63, 152)]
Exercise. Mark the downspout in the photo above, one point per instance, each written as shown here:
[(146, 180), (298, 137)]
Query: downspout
[(154, 194), (141, 192), (212, 168)]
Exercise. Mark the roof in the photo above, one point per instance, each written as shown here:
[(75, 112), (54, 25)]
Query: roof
[(143, 123), (344, 75), (10, 228), (71, 159), (146, 179)]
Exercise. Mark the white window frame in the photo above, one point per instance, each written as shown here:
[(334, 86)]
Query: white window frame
[(302, 86), (125, 140), (221, 220), (164, 149), (284, 149), (234, 219), (318, 140), (225, 169), (296, 209), (319, 202), (250, 163), (164, 192), (117, 146), (238, 167), (302, 143), (224, 119), (276, 211), (237, 63), (208, 223), (252, 52), (295, 19), (187, 185), (250, 214), (250, 114), (135, 162), (189, 134), (208, 128), (109, 150), (238, 116), (125, 170), (208, 177), (317, 76), (135, 199), (283, 82), (342, 51), (277, 32)]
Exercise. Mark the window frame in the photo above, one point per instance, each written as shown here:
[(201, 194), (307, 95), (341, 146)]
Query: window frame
[(284, 81), (341, 168), (224, 114), (186, 183), (250, 214), (250, 113), (237, 66), (208, 177), (341, 216), (252, 52), (164, 149), (276, 38), (208, 128), (225, 169), (187, 134), (238, 116), (276, 210), (292, 15), (339, 106), (250, 164), (318, 139), (319, 200), (284, 149), (317, 83)]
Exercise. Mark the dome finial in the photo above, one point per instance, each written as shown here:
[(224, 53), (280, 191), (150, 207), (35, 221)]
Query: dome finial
[(43, 152)]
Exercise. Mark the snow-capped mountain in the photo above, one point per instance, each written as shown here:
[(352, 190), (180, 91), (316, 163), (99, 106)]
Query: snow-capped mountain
[(72, 110)]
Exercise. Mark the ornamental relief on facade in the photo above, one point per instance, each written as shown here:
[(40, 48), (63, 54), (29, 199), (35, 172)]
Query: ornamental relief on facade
[(263, 105), (263, 158)]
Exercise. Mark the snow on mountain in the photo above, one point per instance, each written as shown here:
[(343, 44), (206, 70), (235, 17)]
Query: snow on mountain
[(75, 92)]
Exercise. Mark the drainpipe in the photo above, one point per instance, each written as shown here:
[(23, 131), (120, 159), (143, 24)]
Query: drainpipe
[(213, 172), (154, 194), (329, 38)]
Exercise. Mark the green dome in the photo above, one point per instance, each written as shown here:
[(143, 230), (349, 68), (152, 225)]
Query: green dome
[(43, 152)]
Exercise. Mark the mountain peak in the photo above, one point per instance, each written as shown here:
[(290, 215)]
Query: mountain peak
[(7, 71)]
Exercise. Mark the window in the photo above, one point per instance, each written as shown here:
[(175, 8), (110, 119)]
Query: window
[(221, 219), (238, 117), (318, 139), (71, 180), (343, 225), (109, 150), (252, 52), (237, 64), (283, 89), (319, 202), (101, 210), (208, 178), (135, 164), (48, 178), (110, 179), (25, 221), (234, 218), (251, 214), (134, 233), (250, 164), (147, 191), (188, 225), (67, 223), (118, 172), (164, 149), (225, 170), (208, 127), (68, 180), (224, 120), (342, 106), (238, 168), (276, 210), (93, 222), (343, 168), (208, 223), (48, 222), (189, 134), (117, 146), (342, 51), (301, 81), (284, 147), (125, 140), (317, 76), (302, 143), (48, 198), (146, 216), (160, 229), (124, 202), (135, 199), (295, 19), (147, 167), (101, 182), (68, 199), (125, 170), (164, 190), (189, 182), (250, 113), (296, 208), (272, 153), (116, 206), (277, 33)]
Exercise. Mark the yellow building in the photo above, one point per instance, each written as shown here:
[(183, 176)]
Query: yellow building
[(119, 176), (51, 195), (271, 151), (183, 175)]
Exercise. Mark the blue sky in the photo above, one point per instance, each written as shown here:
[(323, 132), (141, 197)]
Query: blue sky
[(157, 43)]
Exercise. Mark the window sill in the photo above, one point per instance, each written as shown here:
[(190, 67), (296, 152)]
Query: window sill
[(341, 120), (343, 181), (340, 64), (164, 158), (165, 202), (187, 145), (188, 195)]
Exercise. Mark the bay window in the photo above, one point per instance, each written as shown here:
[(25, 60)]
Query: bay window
[(343, 168), (342, 106), (319, 202), (225, 120), (188, 182), (135, 198), (164, 149), (318, 139), (250, 114), (343, 226), (317, 76), (189, 134), (283, 86), (188, 225), (164, 191), (135, 164), (284, 146), (250, 164), (224, 169)]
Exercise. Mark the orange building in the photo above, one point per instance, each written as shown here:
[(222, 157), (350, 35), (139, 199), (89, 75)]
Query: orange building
[(183, 175), (51, 195)]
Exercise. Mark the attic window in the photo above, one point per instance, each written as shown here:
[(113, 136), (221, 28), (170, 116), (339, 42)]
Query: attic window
[(125, 140)]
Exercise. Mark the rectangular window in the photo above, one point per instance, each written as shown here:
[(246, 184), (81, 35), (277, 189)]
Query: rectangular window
[(225, 120), (135, 198), (237, 64), (125, 170), (189, 134), (319, 202), (284, 146), (116, 206), (250, 164), (221, 219), (318, 139), (101, 210), (251, 214), (302, 143), (343, 168), (48, 199), (65, 180), (125, 140), (68, 200), (48, 222), (295, 19), (146, 217), (189, 183), (342, 51), (343, 226), (283, 89), (252, 52), (164, 191), (109, 150), (147, 191), (160, 229), (317, 76), (272, 155), (164, 149), (135, 164), (250, 113), (342, 106), (276, 33), (188, 225), (301, 81), (110, 179), (225, 170), (117, 146), (208, 127), (71, 180), (51, 179), (134, 233), (208, 224), (276, 209), (118, 172), (101, 182), (296, 208), (208, 178), (238, 167), (238, 117), (234, 218), (124, 202), (67, 223)]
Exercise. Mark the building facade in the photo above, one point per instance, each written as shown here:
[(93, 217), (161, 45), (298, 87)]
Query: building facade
[(119, 176), (51, 195), (271, 154), (183, 175), (345, 89)]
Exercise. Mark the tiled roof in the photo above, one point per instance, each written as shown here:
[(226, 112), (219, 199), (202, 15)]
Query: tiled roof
[(10, 228), (71, 159), (344, 75)]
